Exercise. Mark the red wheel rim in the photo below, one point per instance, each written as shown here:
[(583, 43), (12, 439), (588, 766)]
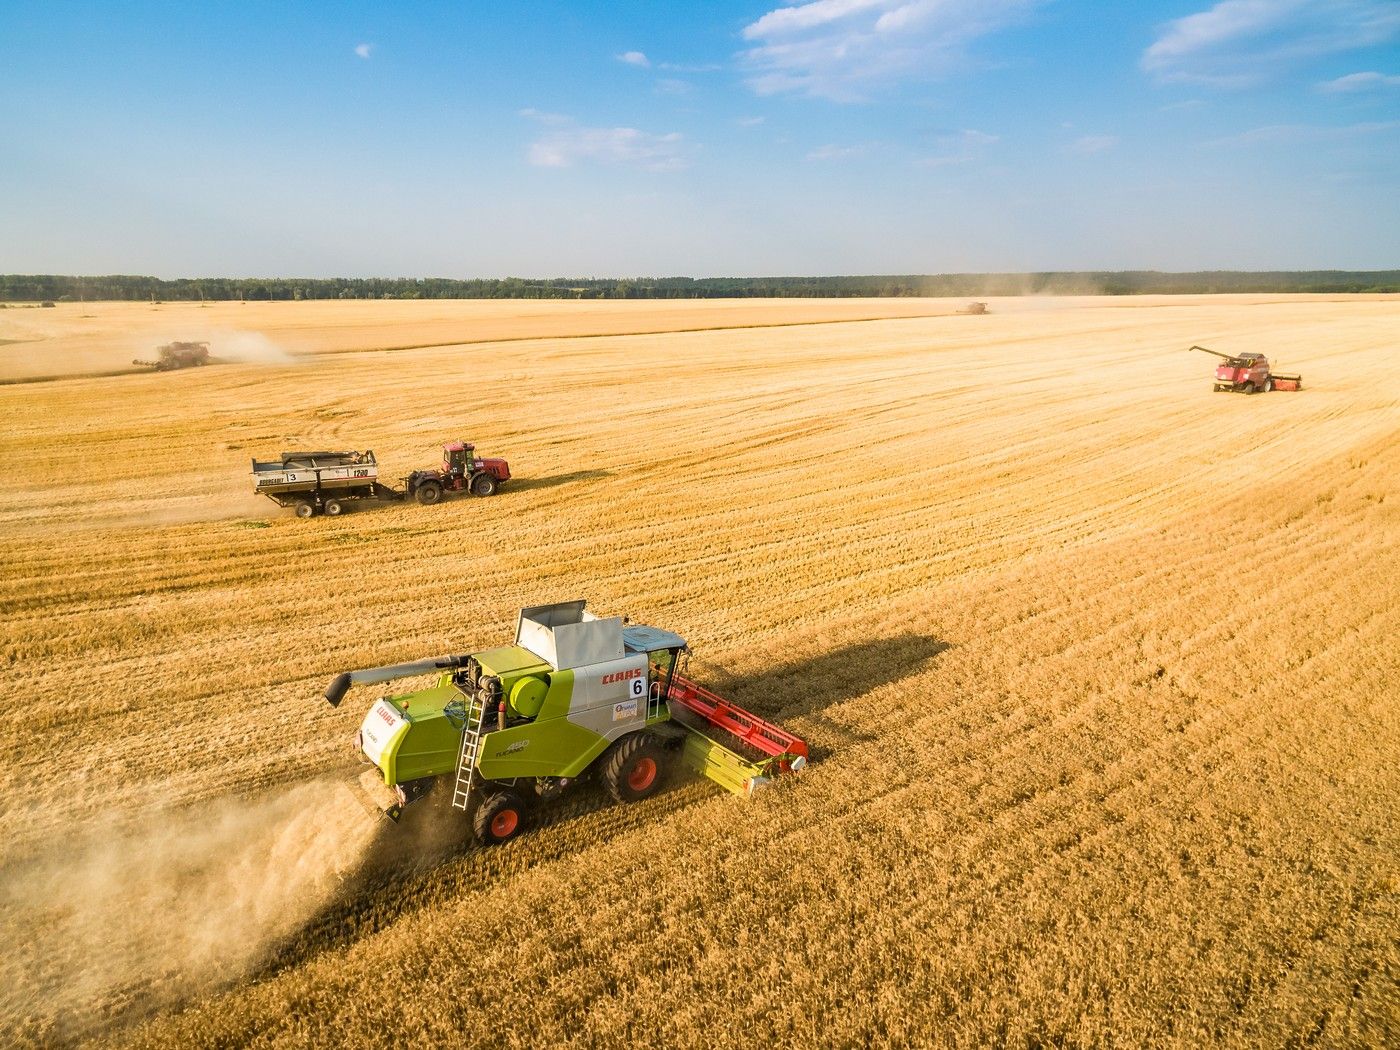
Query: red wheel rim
[(643, 774), (504, 823)]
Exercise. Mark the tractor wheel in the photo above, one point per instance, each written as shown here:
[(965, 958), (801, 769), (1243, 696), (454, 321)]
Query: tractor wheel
[(305, 508), (1268, 385), (483, 485), (499, 818), (332, 507), (634, 769), (429, 493), (1248, 388)]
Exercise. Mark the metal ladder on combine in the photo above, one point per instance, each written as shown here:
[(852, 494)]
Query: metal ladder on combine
[(466, 757)]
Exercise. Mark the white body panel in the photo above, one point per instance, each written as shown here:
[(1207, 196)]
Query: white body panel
[(610, 698), (384, 723)]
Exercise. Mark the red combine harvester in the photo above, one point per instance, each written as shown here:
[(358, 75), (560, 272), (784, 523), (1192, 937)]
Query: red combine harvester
[(1250, 374)]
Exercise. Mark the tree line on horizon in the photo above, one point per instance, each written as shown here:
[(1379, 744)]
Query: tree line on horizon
[(64, 288)]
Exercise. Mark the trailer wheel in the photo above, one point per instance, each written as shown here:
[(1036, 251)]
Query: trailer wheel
[(483, 485), (634, 769), (499, 818), (305, 508), (332, 507), (429, 493)]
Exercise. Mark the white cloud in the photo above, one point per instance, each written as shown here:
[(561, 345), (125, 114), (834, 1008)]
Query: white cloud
[(1295, 134), (634, 58), (1241, 42), (1090, 144), (842, 49), (1359, 82), (363, 50), (831, 151), (958, 147), (749, 122), (568, 143)]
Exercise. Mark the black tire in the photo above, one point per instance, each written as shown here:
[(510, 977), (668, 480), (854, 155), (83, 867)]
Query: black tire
[(635, 768), (333, 507), (1248, 388), (305, 508), (499, 817), (483, 485), (1268, 385), (428, 493)]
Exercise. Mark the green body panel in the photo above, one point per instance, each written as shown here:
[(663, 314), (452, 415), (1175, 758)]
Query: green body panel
[(429, 746), (510, 662), (556, 748)]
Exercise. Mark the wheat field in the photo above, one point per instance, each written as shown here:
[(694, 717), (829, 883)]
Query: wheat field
[(1099, 670)]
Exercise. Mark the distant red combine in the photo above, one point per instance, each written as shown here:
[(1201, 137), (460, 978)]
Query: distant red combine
[(1250, 374)]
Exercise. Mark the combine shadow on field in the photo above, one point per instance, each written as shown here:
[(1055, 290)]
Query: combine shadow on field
[(555, 480), (430, 855)]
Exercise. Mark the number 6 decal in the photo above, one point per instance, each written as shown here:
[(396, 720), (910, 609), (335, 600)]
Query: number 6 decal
[(639, 687)]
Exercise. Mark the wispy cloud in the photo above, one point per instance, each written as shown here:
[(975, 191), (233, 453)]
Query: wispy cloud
[(831, 151), (1090, 144), (568, 143), (363, 50), (1241, 42), (957, 147), (749, 122), (634, 58), (1296, 134), (843, 49), (1359, 82)]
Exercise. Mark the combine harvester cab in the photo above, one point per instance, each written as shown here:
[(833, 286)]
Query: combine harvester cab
[(508, 728)]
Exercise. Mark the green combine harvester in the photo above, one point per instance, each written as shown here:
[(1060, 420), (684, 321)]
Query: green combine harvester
[(575, 693)]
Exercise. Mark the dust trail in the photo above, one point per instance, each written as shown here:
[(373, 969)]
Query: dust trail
[(111, 923)]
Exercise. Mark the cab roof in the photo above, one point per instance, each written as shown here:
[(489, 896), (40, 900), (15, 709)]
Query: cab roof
[(639, 638)]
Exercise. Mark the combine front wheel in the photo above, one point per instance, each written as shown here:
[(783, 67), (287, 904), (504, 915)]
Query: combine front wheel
[(499, 818), (633, 771)]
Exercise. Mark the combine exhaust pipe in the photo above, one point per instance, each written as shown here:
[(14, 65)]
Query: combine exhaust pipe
[(341, 683)]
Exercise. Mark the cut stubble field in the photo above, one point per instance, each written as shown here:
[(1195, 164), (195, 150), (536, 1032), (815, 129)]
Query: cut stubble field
[(1098, 668)]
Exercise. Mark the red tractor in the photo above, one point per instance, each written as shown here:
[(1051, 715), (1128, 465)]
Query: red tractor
[(461, 471), (1250, 374)]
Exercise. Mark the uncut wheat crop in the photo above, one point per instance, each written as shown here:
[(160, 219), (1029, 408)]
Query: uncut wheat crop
[(1099, 670)]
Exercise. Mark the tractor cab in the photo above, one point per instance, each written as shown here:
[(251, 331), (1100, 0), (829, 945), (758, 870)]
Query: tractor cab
[(457, 458)]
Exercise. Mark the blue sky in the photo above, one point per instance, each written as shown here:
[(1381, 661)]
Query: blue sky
[(720, 138)]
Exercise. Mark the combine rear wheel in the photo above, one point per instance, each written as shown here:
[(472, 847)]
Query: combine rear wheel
[(429, 493), (305, 508), (633, 771), (483, 485), (499, 818)]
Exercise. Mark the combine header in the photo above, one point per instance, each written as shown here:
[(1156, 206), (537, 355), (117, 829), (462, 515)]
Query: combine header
[(1250, 374), (509, 728)]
